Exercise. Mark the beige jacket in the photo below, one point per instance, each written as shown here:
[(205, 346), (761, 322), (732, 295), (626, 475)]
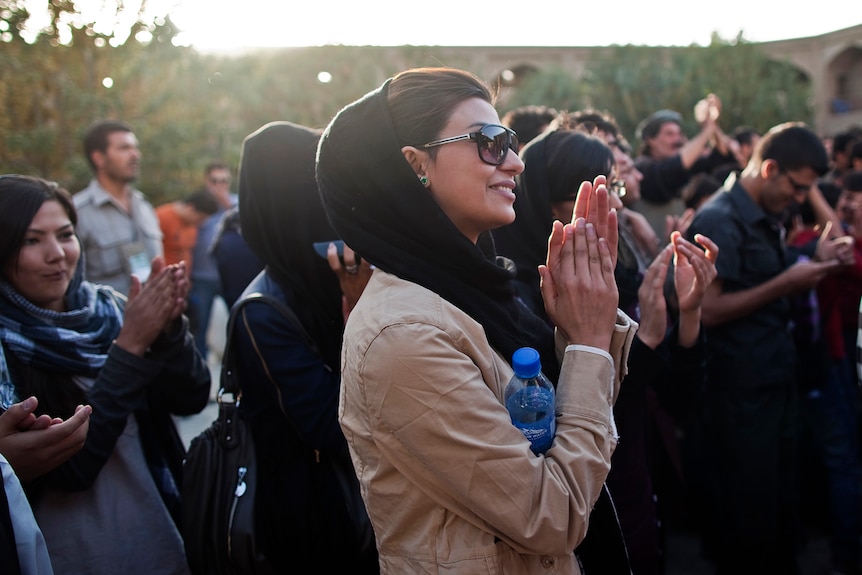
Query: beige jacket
[(450, 484)]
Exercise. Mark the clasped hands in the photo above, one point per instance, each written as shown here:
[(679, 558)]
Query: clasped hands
[(577, 279)]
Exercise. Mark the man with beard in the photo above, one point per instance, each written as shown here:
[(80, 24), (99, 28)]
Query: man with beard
[(747, 443), (117, 226)]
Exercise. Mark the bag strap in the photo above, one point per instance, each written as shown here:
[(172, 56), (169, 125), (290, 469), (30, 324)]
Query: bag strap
[(229, 381)]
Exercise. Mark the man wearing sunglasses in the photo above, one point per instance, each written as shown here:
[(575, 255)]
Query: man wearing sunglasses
[(749, 409)]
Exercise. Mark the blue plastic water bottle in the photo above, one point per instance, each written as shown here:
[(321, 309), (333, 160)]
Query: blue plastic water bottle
[(530, 400)]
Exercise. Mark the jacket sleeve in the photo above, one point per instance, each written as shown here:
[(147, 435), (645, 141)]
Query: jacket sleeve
[(180, 379), (183, 381), (437, 417)]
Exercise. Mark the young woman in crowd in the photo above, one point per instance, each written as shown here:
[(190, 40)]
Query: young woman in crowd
[(309, 504), (111, 507), (555, 164), (414, 175)]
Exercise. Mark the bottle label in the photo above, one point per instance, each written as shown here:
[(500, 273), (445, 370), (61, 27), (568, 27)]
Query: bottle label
[(532, 411)]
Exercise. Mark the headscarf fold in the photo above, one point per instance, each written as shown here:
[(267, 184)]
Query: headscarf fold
[(525, 241), (73, 342), (377, 205), (282, 216)]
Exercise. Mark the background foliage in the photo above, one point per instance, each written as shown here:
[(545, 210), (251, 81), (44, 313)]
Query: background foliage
[(188, 108)]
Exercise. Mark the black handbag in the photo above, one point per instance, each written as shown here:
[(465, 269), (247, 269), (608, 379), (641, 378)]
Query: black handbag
[(220, 481), (219, 485)]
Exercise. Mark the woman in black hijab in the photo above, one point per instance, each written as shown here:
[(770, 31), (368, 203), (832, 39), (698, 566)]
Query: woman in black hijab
[(670, 361), (308, 501), (414, 175), (560, 161)]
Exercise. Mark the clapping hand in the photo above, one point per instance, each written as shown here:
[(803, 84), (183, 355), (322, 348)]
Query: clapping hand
[(577, 280), (694, 271), (152, 307), (35, 445)]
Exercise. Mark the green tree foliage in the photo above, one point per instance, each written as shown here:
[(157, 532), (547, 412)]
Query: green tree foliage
[(632, 82), (188, 108)]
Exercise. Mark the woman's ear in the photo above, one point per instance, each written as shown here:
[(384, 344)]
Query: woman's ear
[(418, 159)]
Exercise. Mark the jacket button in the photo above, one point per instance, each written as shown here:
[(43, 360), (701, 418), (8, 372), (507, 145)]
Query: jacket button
[(547, 562)]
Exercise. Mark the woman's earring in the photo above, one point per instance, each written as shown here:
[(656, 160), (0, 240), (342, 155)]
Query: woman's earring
[(423, 180)]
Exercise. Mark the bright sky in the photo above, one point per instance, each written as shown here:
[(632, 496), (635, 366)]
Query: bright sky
[(210, 24), (217, 25)]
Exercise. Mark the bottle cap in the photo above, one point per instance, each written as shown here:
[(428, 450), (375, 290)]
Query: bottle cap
[(526, 362)]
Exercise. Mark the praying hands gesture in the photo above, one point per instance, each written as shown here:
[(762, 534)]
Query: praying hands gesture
[(577, 281)]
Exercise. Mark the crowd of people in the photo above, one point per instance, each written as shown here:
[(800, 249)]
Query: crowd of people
[(695, 302)]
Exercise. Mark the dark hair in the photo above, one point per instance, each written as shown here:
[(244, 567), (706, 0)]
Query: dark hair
[(854, 151), (745, 134), (21, 197), (202, 201), (841, 141), (852, 181), (831, 191), (794, 146), (572, 157), (592, 119), (96, 137), (215, 165), (700, 187), (421, 101), (529, 121)]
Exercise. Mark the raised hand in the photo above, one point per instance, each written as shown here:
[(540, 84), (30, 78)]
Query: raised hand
[(151, 308), (183, 285), (694, 270), (651, 301), (832, 246), (352, 276), (578, 284), (35, 445), (593, 205)]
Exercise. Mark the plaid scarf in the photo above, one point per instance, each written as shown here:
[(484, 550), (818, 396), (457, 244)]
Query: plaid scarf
[(74, 342)]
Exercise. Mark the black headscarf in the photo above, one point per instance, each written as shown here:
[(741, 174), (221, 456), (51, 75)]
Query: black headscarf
[(556, 162), (281, 217), (376, 204), (525, 241)]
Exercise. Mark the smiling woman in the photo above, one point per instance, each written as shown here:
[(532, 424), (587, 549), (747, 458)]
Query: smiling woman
[(47, 258), (426, 350), (69, 343)]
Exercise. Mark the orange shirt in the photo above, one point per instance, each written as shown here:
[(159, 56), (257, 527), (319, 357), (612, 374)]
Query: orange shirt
[(178, 237)]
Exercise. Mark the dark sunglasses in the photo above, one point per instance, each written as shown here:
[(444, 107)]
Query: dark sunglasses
[(492, 141), (797, 187)]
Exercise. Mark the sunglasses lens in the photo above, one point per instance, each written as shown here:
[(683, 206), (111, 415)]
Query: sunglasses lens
[(494, 143)]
